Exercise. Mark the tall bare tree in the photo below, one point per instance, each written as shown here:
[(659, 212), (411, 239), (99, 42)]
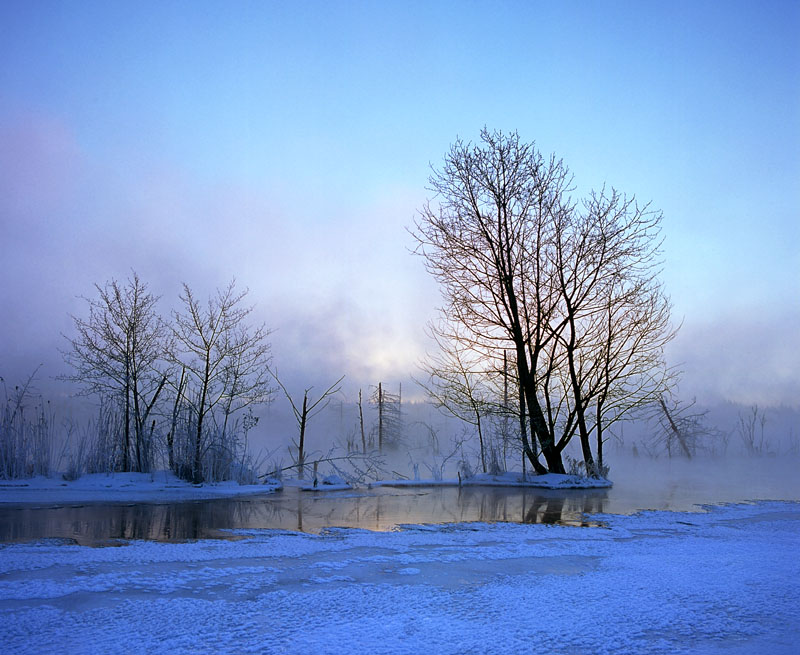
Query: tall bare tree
[(118, 354), (225, 362), (523, 267)]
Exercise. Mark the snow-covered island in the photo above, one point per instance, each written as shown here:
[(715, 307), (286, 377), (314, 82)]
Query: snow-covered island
[(159, 486), (509, 479), (164, 486)]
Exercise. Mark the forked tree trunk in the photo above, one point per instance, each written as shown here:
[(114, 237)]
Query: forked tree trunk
[(577, 395), (538, 429)]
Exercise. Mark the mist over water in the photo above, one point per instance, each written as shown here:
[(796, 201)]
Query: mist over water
[(686, 485), (429, 435)]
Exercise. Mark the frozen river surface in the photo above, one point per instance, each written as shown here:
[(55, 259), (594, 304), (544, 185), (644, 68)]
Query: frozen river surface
[(724, 581)]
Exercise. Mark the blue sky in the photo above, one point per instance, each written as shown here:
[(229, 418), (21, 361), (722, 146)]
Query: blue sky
[(289, 144)]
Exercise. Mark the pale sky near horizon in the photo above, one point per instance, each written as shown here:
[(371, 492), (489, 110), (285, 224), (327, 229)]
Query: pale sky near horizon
[(288, 144)]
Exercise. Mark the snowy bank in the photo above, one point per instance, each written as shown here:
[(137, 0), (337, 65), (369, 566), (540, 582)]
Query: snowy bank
[(511, 479), (723, 581), (326, 483), (160, 486)]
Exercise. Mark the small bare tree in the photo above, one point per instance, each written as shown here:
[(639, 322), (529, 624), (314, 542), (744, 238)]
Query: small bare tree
[(305, 413), (118, 354), (456, 384), (750, 427), (225, 363)]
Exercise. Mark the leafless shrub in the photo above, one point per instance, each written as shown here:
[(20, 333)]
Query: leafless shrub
[(750, 427), (578, 468), (438, 466), (27, 439)]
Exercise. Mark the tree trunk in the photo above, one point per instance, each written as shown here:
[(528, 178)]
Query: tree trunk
[(538, 429), (480, 439), (126, 454), (197, 465), (553, 458), (599, 438), (174, 426), (527, 450), (523, 431), (301, 455), (676, 431), (361, 420), (380, 417), (577, 396), (197, 468), (138, 423), (505, 408)]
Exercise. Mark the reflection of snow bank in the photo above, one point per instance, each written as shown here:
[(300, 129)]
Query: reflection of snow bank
[(548, 481), (723, 581), (328, 483), (160, 486)]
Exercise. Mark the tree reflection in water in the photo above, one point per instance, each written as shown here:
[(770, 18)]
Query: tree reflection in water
[(560, 508), (373, 509)]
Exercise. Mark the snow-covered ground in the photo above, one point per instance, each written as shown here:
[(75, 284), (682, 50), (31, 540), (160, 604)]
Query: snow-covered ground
[(724, 581), (119, 487)]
